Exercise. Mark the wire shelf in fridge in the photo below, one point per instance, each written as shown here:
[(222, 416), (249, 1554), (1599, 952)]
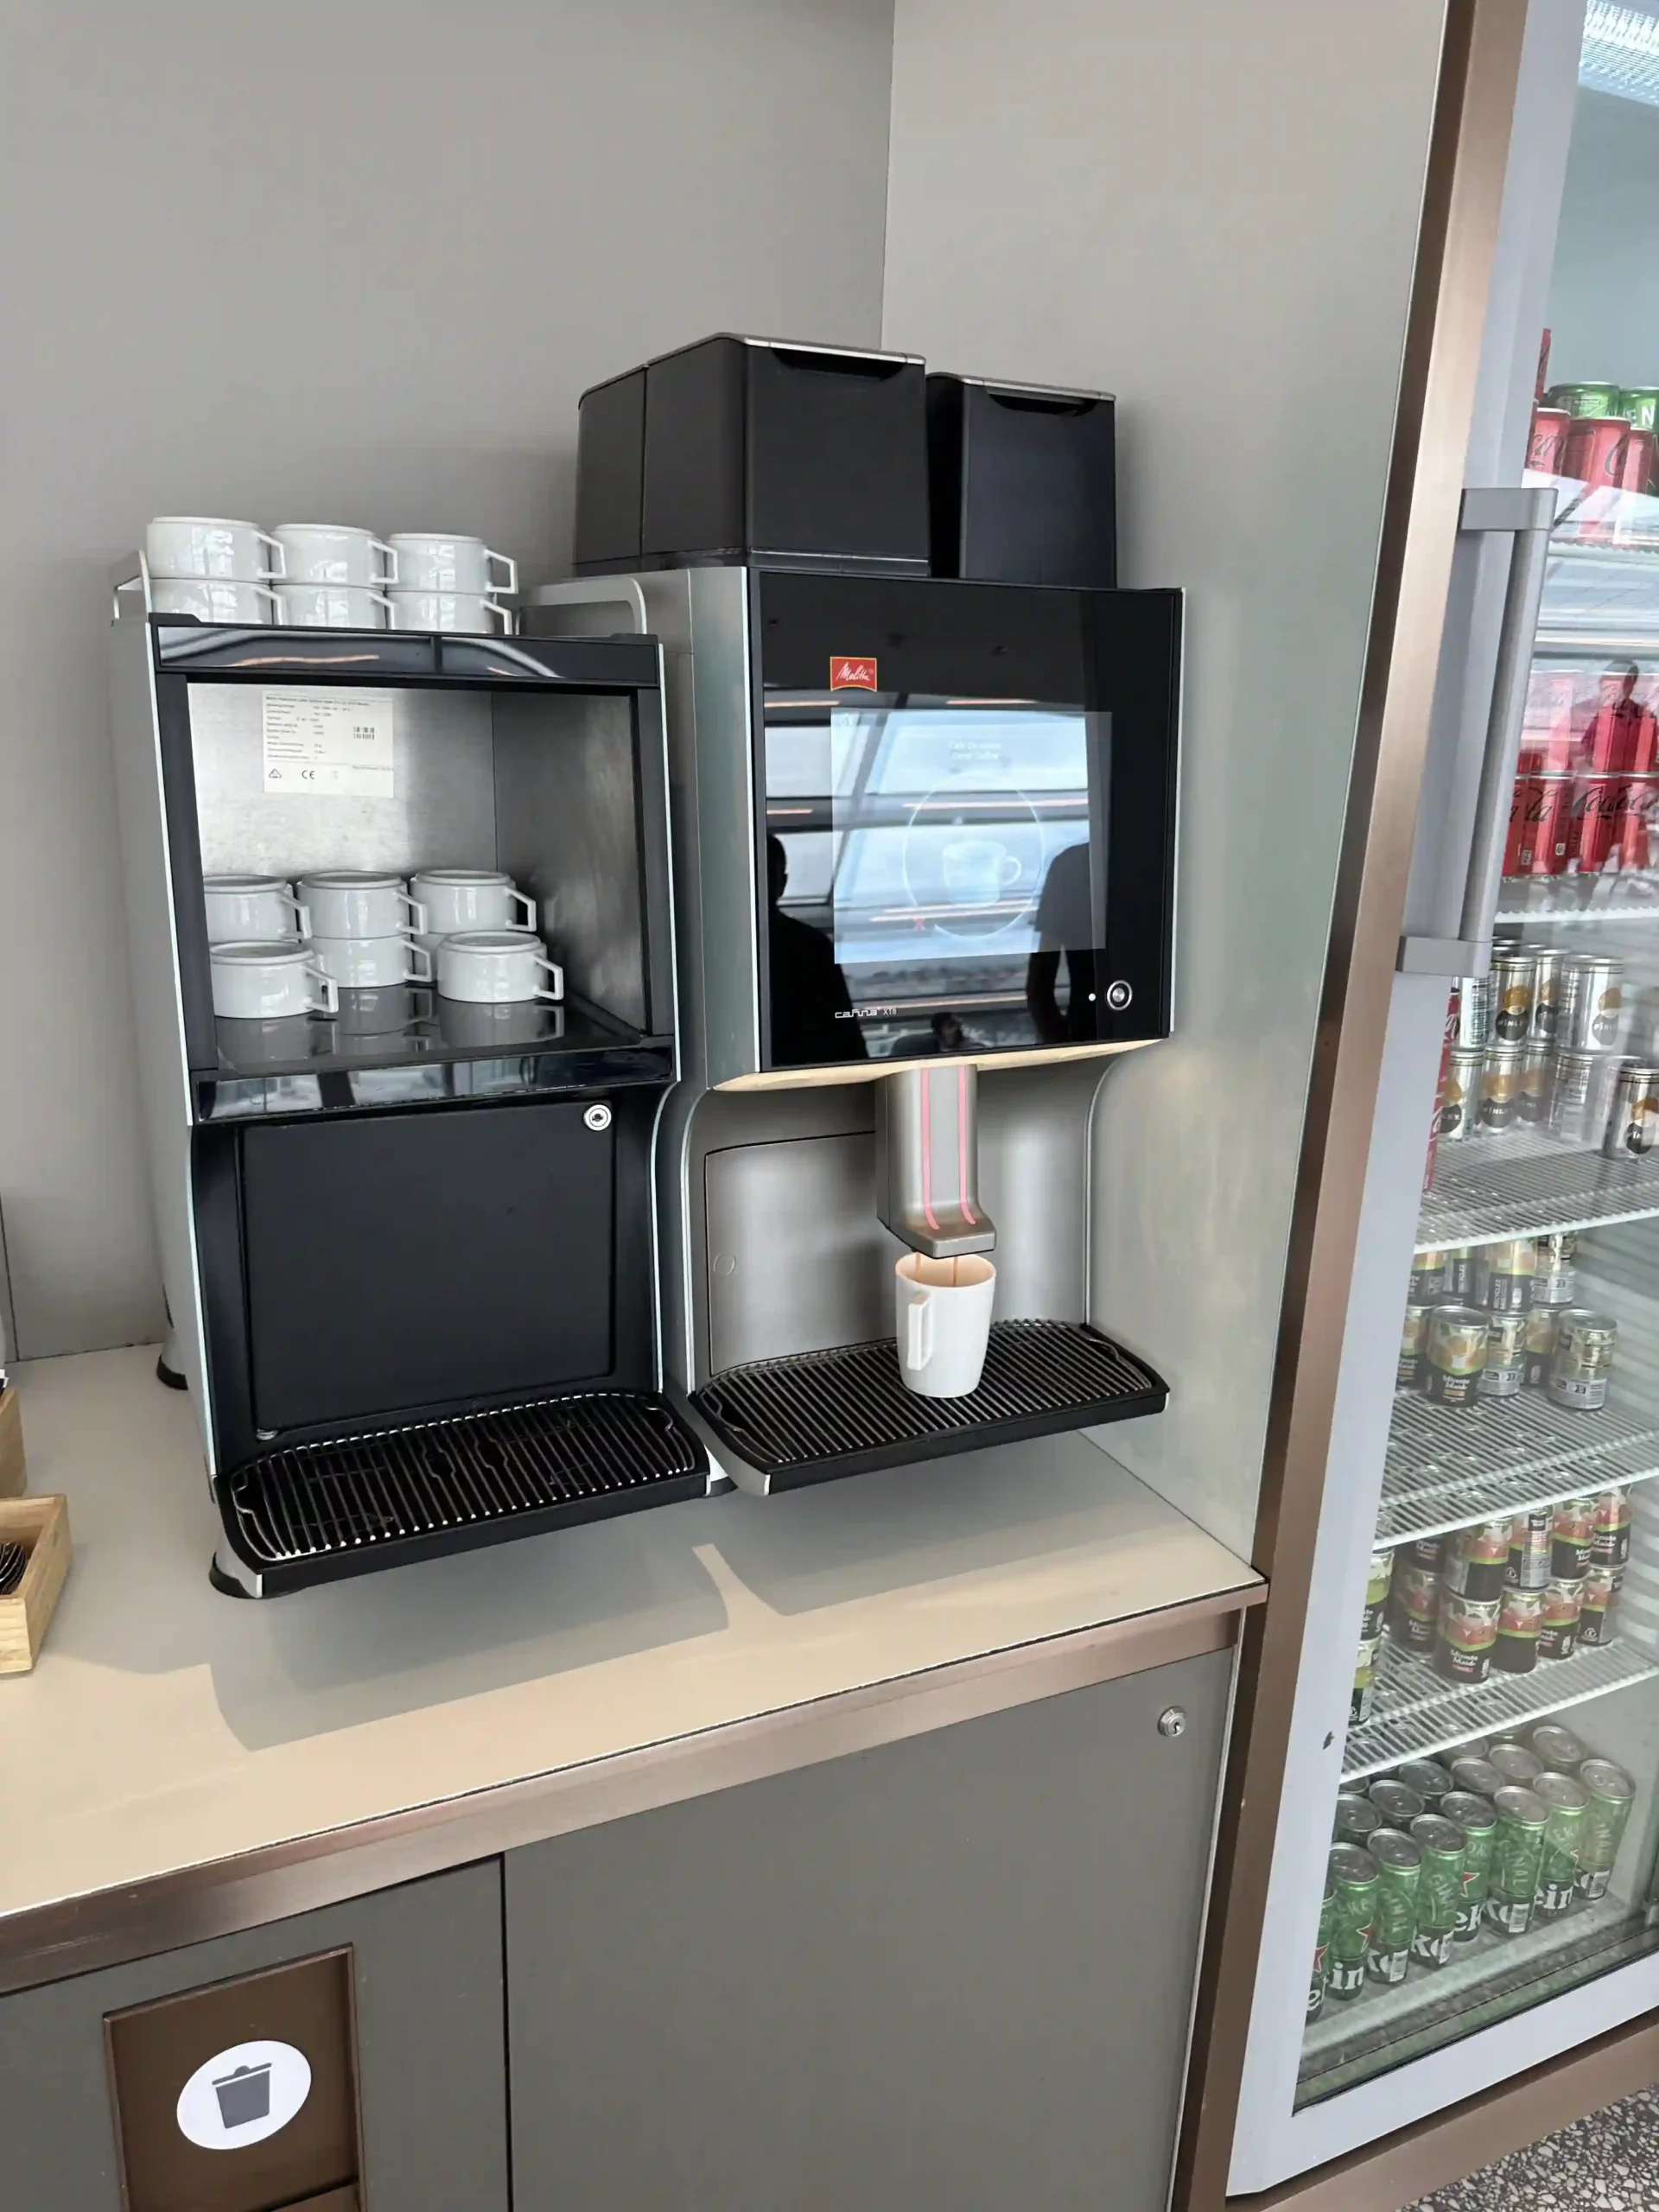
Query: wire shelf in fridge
[(1449, 1466), (1417, 1711), (1526, 1185)]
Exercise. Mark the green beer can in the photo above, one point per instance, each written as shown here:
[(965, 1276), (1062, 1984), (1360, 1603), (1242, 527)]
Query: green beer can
[(1558, 1871), (1400, 1871), (1641, 403), (1475, 1816), (1611, 1793), (1357, 1818), (1440, 1896), (1322, 1948), (1517, 1858), (1353, 1910), (1586, 399)]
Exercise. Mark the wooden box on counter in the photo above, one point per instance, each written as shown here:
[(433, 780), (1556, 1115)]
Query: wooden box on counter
[(14, 1475), (42, 1526)]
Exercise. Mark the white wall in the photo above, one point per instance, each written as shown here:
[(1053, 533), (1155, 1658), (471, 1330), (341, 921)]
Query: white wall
[(1603, 295), (346, 259), (1211, 209)]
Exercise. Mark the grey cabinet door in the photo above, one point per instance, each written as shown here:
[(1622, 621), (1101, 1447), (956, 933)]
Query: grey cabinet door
[(951, 1975), (432, 2066)]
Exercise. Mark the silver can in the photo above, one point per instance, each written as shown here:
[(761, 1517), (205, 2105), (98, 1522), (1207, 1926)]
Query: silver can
[(1537, 1077), (1593, 1001), (1506, 1360), (1514, 975), (1582, 1360), (1472, 1019), (1461, 1102), (1550, 960), (1555, 1277), (1500, 1088), (1633, 1123), (1581, 1098)]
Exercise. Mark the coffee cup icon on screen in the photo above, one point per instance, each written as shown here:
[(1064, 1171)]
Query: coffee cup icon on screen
[(978, 870), (244, 2096)]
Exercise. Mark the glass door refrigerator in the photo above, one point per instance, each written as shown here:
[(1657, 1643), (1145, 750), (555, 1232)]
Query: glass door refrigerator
[(1463, 1883)]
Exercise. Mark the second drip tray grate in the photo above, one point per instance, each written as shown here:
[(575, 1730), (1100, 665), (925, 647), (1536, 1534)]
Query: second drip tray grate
[(844, 1412), (317, 1511)]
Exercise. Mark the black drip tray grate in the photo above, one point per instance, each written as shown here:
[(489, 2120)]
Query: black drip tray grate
[(316, 1511), (844, 1412)]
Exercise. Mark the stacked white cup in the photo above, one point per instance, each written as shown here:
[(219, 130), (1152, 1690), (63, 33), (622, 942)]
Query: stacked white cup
[(326, 575), (214, 569), (258, 966), (481, 933), (444, 582), (364, 926), (336, 577)]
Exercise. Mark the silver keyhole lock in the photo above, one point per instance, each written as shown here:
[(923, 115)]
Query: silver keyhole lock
[(598, 1117), (1172, 1721)]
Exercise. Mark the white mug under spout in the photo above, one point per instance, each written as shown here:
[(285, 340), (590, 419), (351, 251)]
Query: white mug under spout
[(944, 1314)]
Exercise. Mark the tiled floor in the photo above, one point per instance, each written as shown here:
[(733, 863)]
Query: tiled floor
[(1609, 2163)]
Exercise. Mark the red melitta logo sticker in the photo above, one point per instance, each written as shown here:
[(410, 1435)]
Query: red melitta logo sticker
[(848, 673)]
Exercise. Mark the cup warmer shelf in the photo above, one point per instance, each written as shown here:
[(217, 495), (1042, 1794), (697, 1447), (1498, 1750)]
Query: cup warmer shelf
[(310, 1513), (820, 1414)]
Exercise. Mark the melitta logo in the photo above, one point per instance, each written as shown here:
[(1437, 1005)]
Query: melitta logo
[(848, 673)]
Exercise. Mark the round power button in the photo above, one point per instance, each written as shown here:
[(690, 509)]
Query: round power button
[(1118, 995)]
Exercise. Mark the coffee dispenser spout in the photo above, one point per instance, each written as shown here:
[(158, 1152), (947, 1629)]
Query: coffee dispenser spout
[(927, 1167)]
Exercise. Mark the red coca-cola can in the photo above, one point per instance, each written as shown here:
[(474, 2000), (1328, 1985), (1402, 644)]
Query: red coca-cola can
[(1595, 449), (1637, 472), (1595, 820), (1621, 734), (1545, 842), (1638, 797), (1548, 447), (1513, 843)]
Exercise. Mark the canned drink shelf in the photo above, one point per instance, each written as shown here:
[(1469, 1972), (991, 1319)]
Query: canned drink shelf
[(1526, 1185), (1450, 1466), (1627, 895), (1417, 1711), (1483, 1982)]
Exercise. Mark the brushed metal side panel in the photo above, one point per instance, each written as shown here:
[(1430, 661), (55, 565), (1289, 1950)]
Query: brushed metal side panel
[(797, 1259), (723, 768), (569, 834), (442, 813)]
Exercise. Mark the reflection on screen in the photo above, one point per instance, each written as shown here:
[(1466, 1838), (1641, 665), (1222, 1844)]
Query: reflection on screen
[(950, 855)]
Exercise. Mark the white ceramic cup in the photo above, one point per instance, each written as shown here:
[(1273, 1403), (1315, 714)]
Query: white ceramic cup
[(240, 907), (469, 612), (471, 899), (335, 553), (332, 606), (978, 870), (265, 979), (210, 599), (360, 902), (495, 967), (943, 1311), (372, 963), (437, 560), (207, 545)]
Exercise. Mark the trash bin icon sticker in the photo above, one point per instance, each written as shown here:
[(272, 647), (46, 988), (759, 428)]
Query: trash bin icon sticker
[(240, 2096), (244, 2095)]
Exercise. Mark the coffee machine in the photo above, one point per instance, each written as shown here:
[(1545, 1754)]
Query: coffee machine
[(408, 1242), (925, 876)]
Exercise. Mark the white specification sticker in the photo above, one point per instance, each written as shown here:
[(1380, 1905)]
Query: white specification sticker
[(324, 743)]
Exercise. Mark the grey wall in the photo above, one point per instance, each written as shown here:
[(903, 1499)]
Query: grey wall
[(1604, 296), (345, 261), (1212, 210)]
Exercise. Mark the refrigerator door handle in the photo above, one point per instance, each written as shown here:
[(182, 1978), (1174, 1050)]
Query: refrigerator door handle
[(1526, 513)]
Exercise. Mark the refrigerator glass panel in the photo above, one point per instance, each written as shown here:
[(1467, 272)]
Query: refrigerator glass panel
[(1495, 1843)]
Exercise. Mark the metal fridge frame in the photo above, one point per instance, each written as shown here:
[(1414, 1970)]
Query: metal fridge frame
[(1415, 868)]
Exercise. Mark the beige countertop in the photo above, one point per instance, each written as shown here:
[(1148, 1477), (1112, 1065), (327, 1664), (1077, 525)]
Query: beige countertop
[(179, 1762)]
